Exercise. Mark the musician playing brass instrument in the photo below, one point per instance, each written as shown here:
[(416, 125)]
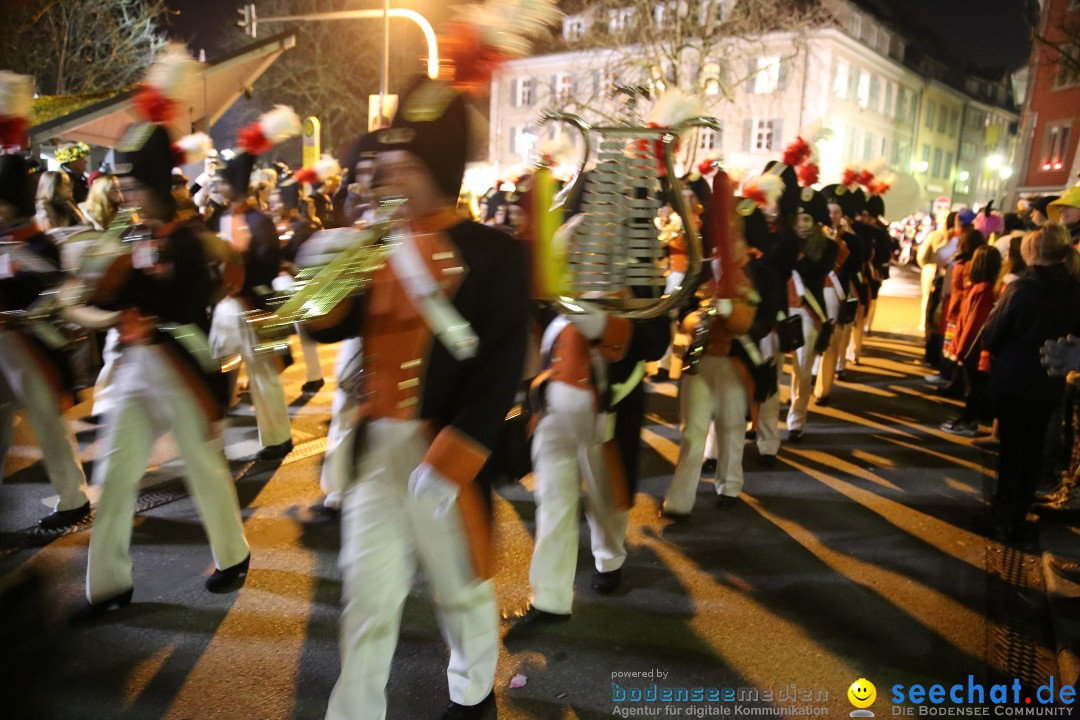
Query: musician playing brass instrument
[(33, 369)]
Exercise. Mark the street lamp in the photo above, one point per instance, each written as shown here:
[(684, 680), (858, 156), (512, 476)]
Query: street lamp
[(993, 162), (1006, 173), (923, 166), (964, 175)]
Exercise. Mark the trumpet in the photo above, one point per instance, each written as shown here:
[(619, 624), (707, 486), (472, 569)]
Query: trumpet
[(318, 290)]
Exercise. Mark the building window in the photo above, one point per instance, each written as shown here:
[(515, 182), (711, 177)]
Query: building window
[(574, 27), (840, 78), (875, 93), (883, 41), (764, 136), (902, 100), (954, 122), (1056, 146), (856, 24), (869, 145), (936, 169), (526, 95), (767, 78), (901, 154), (564, 88), (851, 144), (968, 150), (863, 92), (931, 111), (709, 139), (948, 165), (1068, 74), (871, 34), (620, 20), (943, 119), (890, 96)]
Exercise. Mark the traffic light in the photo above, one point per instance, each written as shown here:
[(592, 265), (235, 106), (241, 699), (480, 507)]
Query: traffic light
[(247, 20)]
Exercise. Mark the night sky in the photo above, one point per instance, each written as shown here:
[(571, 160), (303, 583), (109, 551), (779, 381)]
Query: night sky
[(985, 33)]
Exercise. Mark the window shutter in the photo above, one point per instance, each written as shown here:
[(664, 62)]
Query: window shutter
[(514, 92), (782, 80), (747, 135), (777, 134)]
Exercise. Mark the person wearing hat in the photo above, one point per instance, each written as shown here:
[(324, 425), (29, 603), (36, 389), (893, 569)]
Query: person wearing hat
[(34, 375), (72, 158), (1066, 210), (445, 318), (884, 246), (1040, 210), (166, 381), (251, 233), (806, 299)]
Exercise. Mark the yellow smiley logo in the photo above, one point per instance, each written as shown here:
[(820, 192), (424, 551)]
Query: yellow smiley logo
[(862, 693)]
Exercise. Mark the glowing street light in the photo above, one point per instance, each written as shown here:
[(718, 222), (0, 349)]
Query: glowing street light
[(964, 175), (1006, 173), (993, 162)]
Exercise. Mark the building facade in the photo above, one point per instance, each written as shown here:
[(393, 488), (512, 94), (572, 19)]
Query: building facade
[(1052, 112), (850, 74)]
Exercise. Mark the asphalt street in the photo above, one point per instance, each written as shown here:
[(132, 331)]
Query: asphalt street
[(857, 556)]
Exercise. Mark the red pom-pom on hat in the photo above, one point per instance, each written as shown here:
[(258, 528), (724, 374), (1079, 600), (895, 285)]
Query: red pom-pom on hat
[(809, 173), (306, 175), (153, 105)]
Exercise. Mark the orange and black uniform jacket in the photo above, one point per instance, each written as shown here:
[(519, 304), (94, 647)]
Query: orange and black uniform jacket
[(410, 375)]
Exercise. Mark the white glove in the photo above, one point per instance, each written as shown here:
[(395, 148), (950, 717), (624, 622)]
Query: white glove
[(1061, 356), (591, 322), (426, 481), (282, 283)]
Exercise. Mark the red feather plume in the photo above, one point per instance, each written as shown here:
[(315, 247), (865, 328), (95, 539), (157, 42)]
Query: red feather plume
[(474, 61), (153, 105), (809, 173), (12, 131), (756, 194), (797, 152), (252, 139), (850, 175), (706, 166), (306, 175)]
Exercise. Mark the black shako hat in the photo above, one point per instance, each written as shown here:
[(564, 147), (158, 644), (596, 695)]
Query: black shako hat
[(237, 172), (146, 154), (432, 124), (851, 203), (875, 205), (813, 203), (789, 199), (15, 186), (756, 228)]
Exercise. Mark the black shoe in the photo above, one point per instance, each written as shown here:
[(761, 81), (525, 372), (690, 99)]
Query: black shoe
[(532, 617), (841, 375), (751, 435), (824, 401), (454, 711), (94, 419), (312, 386), (675, 517), (726, 501), (92, 611), (661, 375), (767, 461), (64, 518), (325, 512), (1065, 568), (708, 467), (794, 436), (1008, 533), (274, 452), (606, 582), (229, 579)]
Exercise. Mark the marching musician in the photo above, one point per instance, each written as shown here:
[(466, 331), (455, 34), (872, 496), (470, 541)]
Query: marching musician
[(34, 372), (166, 380), (443, 325), (249, 232)]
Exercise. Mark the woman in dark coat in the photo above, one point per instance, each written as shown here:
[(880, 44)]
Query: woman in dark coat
[(1043, 304)]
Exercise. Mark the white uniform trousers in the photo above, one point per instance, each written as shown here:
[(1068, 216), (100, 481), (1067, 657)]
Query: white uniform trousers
[(802, 372), (22, 383), (104, 392), (768, 422), (565, 450), (310, 348), (852, 350), (825, 364), (152, 399), (673, 280), (385, 530), (337, 462), (716, 394), (228, 336)]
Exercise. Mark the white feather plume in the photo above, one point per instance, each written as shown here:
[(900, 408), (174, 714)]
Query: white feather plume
[(279, 124), (878, 167), (815, 133), (174, 72), (326, 166), (16, 94), (770, 185), (673, 107), (511, 25), (196, 147)]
